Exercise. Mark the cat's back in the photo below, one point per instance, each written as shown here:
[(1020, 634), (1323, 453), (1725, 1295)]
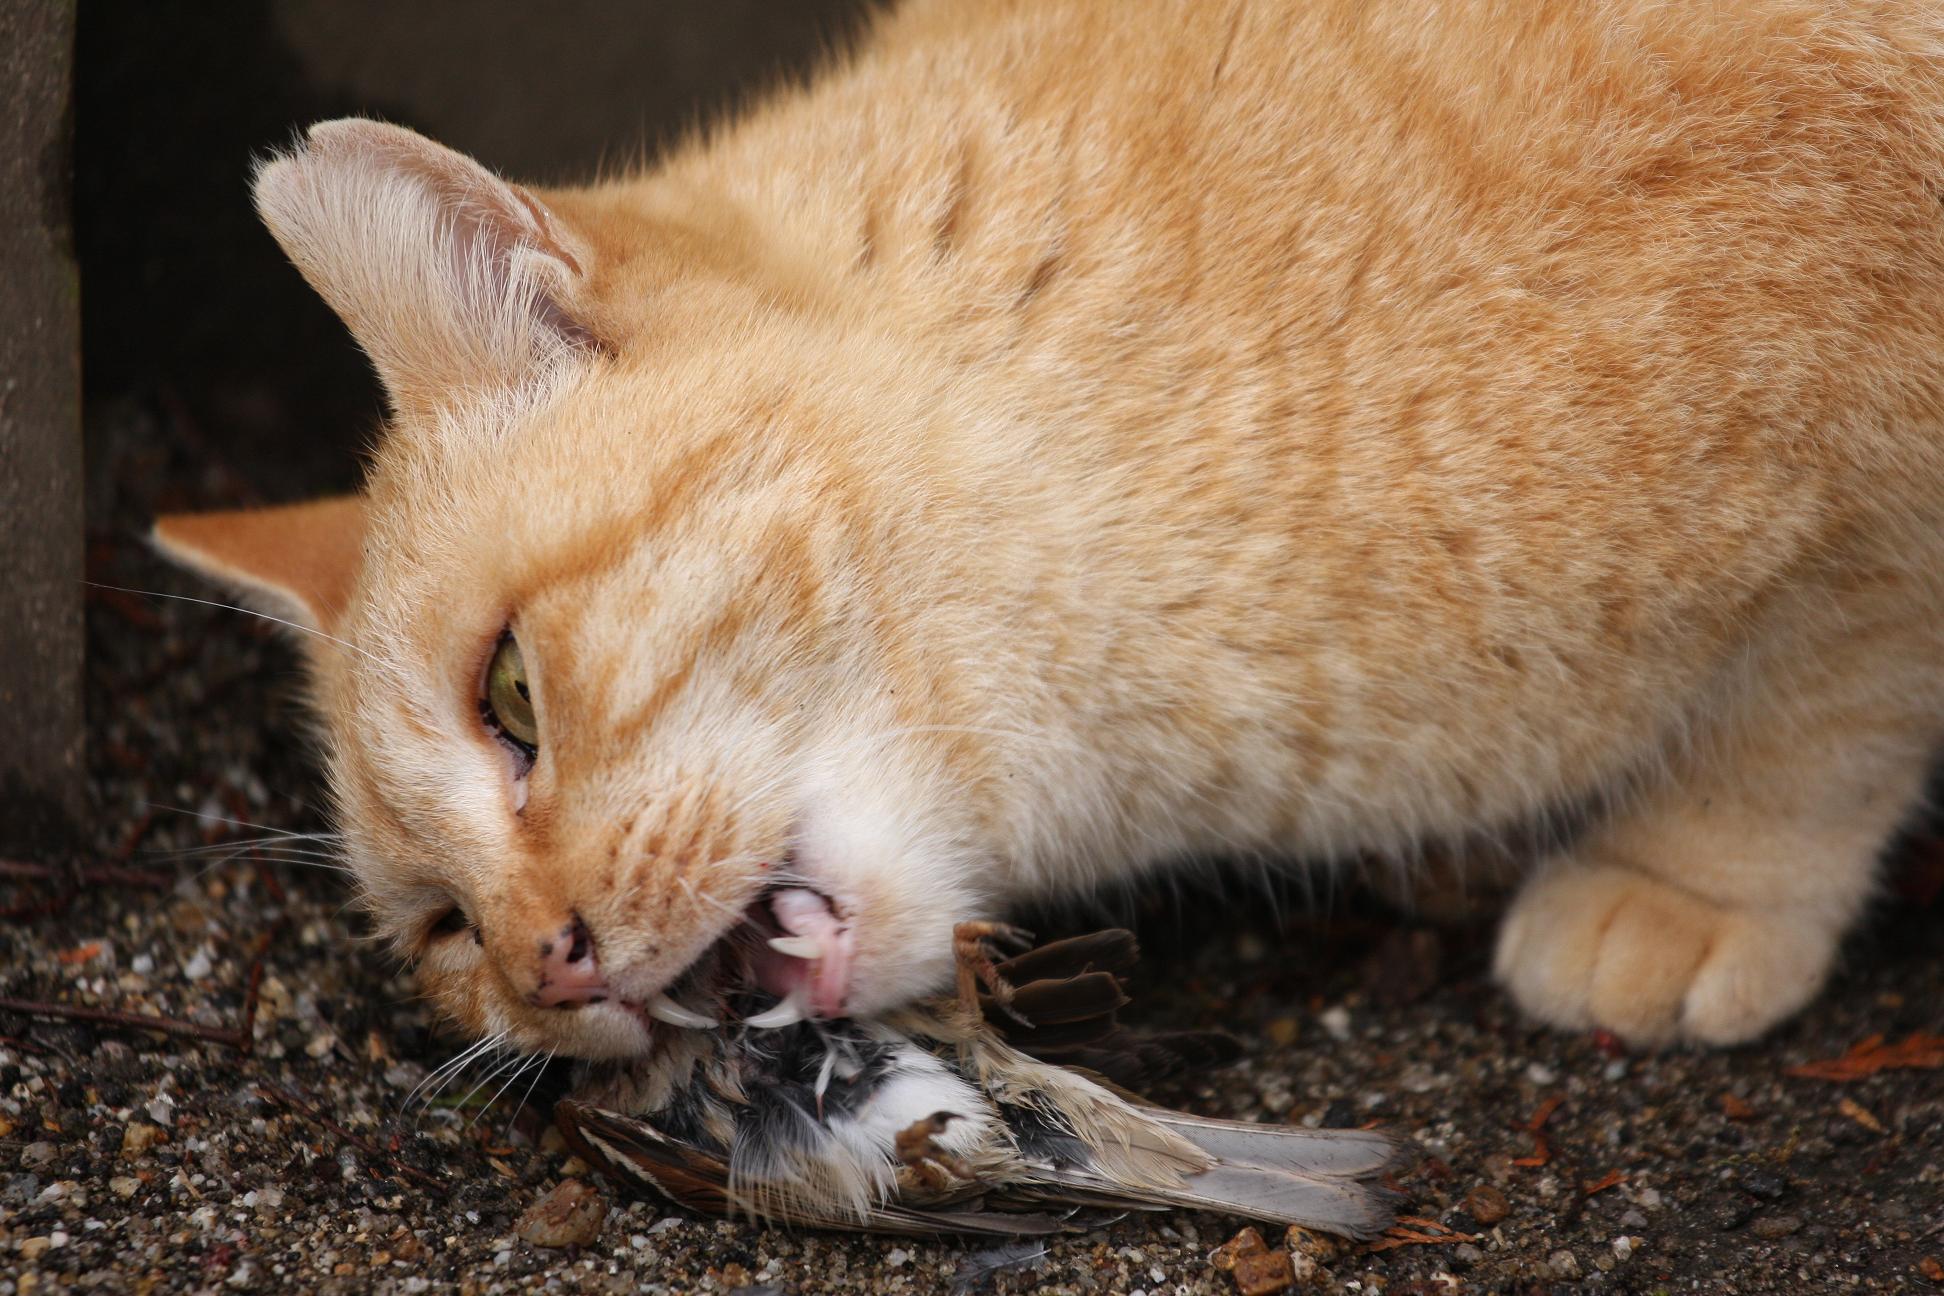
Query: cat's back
[(1558, 211), (1365, 334)]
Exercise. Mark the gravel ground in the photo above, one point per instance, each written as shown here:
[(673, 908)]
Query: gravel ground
[(133, 1162)]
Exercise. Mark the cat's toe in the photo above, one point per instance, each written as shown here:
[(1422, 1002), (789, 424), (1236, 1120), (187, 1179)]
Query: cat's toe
[(1601, 945)]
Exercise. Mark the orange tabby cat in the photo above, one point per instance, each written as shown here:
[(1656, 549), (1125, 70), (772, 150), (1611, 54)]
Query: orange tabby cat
[(1073, 437)]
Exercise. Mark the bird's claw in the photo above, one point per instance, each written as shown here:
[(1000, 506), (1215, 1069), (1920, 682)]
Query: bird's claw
[(929, 1164), (973, 947)]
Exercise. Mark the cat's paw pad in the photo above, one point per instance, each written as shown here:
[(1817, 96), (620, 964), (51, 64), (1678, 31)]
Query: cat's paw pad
[(1600, 945)]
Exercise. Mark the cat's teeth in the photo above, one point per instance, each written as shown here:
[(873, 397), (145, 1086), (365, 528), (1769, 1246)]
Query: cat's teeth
[(662, 1008), (788, 1013), (803, 947)]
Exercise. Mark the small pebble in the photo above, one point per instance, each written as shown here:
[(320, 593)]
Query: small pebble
[(569, 1215), (1320, 1247), (38, 1156), (1336, 1022), (1772, 1227), (1232, 1252), (1564, 1264), (1263, 1273), (1487, 1205), (138, 1138)]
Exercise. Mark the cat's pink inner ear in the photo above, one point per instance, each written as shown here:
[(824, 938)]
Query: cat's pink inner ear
[(455, 282), (296, 561)]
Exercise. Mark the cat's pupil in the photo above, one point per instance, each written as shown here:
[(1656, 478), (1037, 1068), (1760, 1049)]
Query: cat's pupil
[(507, 706)]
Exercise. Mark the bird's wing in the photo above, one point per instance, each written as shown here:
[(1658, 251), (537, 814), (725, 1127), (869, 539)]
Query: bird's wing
[(1064, 1009), (1087, 1143), (633, 1154)]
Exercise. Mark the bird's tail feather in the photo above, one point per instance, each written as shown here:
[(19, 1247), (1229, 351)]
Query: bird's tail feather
[(1322, 1179), (1291, 1149), (1318, 1178)]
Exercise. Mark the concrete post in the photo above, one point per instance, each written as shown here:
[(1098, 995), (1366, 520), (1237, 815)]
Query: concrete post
[(42, 788)]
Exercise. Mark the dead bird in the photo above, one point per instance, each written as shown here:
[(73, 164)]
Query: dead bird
[(1011, 1109)]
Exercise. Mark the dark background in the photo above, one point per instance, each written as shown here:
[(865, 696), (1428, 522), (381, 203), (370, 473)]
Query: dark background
[(188, 303)]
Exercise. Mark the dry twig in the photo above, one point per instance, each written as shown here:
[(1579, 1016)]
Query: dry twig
[(383, 1161), (1872, 1055), (129, 1021)]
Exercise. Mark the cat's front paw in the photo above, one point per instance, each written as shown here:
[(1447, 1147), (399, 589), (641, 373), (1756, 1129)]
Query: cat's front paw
[(1602, 945)]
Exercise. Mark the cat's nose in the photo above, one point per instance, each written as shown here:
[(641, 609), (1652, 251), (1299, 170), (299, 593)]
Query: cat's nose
[(570, 973)]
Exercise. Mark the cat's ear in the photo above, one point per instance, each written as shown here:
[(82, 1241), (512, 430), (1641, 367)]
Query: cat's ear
[(454, 281), (296, 562)]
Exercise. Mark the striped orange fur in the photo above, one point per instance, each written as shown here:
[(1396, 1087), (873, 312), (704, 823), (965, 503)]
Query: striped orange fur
[(1058, 443)]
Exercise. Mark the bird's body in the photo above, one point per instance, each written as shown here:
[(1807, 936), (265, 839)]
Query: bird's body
[(938, 1119)]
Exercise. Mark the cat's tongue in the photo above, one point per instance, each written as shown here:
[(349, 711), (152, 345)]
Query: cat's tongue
[(810, 963)]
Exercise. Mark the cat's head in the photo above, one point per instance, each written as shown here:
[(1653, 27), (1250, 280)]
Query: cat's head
[(616, 655)]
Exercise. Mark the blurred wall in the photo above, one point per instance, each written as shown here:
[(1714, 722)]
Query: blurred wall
[(188, 303)]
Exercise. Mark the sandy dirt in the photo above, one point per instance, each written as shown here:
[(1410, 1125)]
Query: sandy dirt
[(134, 1162)]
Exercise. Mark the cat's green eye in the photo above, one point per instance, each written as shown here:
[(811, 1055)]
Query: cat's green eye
[(508, 704)]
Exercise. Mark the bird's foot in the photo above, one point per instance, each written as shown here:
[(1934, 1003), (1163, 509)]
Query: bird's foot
[(978, 965), (929, 1164)]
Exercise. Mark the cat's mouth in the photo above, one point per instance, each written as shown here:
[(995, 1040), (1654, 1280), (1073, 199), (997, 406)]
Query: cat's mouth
[(790, 956)]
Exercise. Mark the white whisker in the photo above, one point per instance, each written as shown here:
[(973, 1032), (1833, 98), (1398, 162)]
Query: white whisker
[(442, 1075), (539, 1071), (517, 1060), (380, 662), (535, 1062)]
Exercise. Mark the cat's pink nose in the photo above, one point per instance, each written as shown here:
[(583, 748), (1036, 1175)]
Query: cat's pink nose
[(570, 975)]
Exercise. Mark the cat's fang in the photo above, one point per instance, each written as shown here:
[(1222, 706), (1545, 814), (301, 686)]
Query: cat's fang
[(803, 947), (816, 952), (787, 1013), (664, 1009)]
